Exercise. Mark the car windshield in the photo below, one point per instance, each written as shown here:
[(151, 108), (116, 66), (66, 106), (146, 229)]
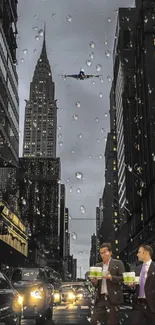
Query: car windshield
[(67, 288), (30, 275)]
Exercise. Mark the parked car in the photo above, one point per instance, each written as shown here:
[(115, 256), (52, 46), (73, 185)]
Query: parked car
[(10, 303), (36, 291)]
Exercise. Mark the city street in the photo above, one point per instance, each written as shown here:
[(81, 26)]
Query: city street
[(80, 315)]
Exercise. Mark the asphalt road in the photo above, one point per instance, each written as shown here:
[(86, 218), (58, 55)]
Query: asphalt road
[(79, 315)]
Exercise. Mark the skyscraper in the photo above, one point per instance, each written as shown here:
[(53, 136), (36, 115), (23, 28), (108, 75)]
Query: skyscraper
[(62, 221), (9, 101), (41, 112), (93, 251), (40, 171)]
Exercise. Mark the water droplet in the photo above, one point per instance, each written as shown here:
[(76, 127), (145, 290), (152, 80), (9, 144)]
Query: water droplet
[(34, 124), (78, 190), (80, 253), (71, 189), (24, 202), (35, 16), (35, 51), (98, 67), (109, 78), (74, 235), (101, 79), (100, 157), (93, 82), (107, 53), (109, 20), (105, 139), (68, 180), (37, 38), (73, 151), (97, 119), (75, 117), (60, 135), (69, 18), (53, 15), (101, 95), (90, 157), (59, 127), (88, 62), (35, 28), (105, 42), (92, 45), (22, 60), (60, 143), (41, 32), (91, 55), (82, 209), (79, 175), (80, 135), (97, 140), (25, 51), (102, 130), (78, 104), (105, 114)]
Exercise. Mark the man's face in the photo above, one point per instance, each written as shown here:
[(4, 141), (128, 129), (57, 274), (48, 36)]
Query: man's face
[(141, 254), (105, 254)]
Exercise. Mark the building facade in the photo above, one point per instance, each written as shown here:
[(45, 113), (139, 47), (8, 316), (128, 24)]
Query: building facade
[(62, 220), (93, 251), (40, 130), (9, 101), (40, 200)]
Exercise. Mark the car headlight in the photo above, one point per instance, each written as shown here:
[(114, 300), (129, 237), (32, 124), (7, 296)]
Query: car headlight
[(80, 295), (57, 295), (20, 300), (36, 294), (71, 295)]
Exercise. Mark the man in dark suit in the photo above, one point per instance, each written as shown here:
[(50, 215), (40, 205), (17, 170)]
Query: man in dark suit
[(144, 300), (109, 294)]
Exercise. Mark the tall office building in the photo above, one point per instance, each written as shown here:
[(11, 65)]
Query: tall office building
[(9, 101), (41, 112), (135, 119), (67, 234), (93, 251), (39, 183), (62, 220)]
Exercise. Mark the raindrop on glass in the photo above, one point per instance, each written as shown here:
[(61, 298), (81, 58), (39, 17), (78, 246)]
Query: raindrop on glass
[(105, 42), (89, 156), (91, 55), (60, 135), (79, 175), (105, 114), (53, 15), (74, 235), (24, 202), (97, 119), (78, 104), (82, 209), (71, 189), (97, 140), (60, 143), (78, 190), (59, 127), (25, 51), (98, 67), (92, 45), (101, 95), (80, 135), (102, 130), (69, 18), (34, 124), (35, 28), (73, 151), (100, 157), (108, 78), (109, 20), (41, 32), (75, 117), (107, 53), (37, 38), (88, 62), (22, 60)]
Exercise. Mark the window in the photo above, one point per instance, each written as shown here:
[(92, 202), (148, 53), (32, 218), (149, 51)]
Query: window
[(126, 39), (4, 284)]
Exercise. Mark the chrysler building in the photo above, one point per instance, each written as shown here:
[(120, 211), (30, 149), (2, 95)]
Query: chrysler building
[(40, 130)]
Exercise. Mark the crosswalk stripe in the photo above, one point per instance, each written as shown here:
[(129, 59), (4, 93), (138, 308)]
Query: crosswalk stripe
[(61, 307), (84, 307)]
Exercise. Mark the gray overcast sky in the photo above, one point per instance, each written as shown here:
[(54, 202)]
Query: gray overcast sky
[(82, 144)]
